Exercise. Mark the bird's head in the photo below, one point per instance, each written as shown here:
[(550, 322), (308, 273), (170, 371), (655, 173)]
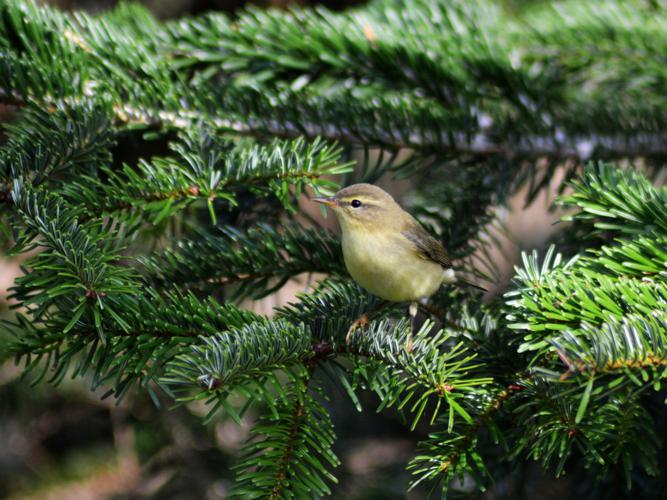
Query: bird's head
[(363, 206)]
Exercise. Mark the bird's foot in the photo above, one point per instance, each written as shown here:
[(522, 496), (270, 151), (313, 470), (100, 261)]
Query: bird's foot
[(408, 344), (360, 322)]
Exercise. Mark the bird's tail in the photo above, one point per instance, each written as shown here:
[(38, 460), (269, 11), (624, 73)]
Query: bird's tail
[(465, 282)]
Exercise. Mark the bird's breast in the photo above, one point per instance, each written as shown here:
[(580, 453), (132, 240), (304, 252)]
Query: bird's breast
[(387, 265)]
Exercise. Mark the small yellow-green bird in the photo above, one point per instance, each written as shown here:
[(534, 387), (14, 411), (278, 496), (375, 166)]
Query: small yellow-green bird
[(386, 250)]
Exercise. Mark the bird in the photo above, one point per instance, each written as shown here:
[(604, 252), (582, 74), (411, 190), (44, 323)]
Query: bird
[(386, 250)]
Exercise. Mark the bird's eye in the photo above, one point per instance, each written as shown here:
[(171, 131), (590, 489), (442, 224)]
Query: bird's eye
[(355, 203)]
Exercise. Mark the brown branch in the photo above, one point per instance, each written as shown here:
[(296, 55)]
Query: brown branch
[(6, 197), (324, 350), (152, 333), (11, 99), (648, 361), (192, 193), (297, 417), (580, 366), (480, 145), (276, 272)]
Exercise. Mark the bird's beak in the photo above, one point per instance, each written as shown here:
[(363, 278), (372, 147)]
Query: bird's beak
[(329, 202)]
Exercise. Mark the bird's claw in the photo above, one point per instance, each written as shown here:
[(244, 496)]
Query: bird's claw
[(408, 344), (360, 322)]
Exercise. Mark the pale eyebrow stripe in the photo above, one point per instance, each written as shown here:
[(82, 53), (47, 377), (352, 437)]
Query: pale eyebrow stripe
[(360, 198)]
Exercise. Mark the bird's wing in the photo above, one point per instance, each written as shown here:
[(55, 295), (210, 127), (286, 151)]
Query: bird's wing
[(431, 249), (427, 246)]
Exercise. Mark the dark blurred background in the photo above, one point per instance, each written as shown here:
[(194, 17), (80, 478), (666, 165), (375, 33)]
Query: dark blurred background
[(67, 442)]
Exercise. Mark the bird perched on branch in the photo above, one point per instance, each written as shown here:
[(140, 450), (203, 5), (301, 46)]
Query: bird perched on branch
[(386, 250)]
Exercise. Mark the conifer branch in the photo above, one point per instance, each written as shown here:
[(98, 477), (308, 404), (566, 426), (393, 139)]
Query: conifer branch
[(206, 167), (446, 114), (284, 461), (441, 455), (243, 358), (56, 142), (249, 259), (252, 107), (468, 437), (623, 202), (637, 342), (474, 143), (289, 453)]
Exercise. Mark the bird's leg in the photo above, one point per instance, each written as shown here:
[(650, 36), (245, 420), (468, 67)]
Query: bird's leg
[(363, 320), (432, 310), (412, 310)]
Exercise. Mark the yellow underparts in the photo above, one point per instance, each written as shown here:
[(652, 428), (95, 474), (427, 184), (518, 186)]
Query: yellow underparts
[(388, 265)]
